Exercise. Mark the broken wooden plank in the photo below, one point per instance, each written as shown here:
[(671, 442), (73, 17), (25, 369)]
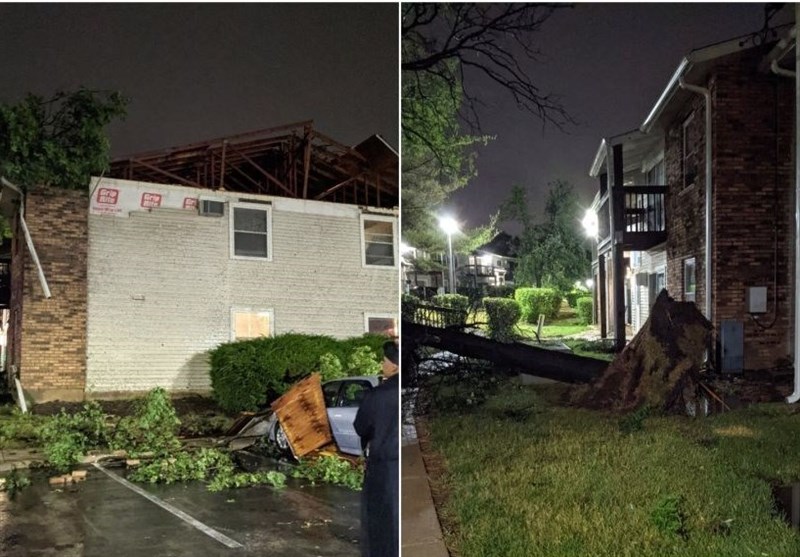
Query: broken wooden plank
[(303, 416)]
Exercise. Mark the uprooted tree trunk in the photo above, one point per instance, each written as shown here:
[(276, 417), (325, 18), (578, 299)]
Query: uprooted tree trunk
[(660, 366)]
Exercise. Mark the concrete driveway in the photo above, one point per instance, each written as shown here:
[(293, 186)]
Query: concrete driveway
[(102, 517)]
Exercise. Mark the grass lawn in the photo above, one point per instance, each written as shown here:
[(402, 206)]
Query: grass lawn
[(526, 477), (566, 324), (561, 327)]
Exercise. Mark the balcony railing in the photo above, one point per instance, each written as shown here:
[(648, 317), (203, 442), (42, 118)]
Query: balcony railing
[(642, 221), (644, 208), (479, 270)]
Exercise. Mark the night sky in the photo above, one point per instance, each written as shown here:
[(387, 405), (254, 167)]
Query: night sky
[(197, 72), (609, 63)]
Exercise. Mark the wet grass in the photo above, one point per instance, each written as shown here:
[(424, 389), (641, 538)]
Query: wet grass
[(561, 327), (526, 477)]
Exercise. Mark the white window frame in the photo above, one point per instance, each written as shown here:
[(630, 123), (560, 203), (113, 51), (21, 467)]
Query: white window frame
[(231, 231), (395, 251), (241, 309), (370, 315)]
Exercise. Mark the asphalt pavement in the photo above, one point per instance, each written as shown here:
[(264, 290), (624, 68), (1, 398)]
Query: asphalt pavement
[(102, 517)]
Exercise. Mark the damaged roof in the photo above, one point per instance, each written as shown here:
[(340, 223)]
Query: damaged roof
[(293, 160)]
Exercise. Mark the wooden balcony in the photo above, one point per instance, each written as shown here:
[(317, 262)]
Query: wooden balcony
[(642, 221)]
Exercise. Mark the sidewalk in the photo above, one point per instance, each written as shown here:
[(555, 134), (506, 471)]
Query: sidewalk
[(421, 531)]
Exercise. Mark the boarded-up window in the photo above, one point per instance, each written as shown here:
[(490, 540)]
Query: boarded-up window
[(378, 238), (251, 324), (381, 325), (250, 232)]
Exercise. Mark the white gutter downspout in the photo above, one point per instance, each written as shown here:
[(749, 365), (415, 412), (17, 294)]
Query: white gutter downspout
[(28, 239), (795, 396), (707, 94)]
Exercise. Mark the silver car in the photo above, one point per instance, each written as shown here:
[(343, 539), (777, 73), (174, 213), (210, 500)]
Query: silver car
[(342, 399)]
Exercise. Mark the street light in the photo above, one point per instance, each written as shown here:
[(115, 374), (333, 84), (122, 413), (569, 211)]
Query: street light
[(590, 224), (450, 227)]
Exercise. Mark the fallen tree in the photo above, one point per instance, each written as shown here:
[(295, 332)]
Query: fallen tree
[(660, 367), (550, 364)]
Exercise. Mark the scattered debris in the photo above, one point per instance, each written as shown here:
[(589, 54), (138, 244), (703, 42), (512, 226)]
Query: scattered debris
[(304, 417)]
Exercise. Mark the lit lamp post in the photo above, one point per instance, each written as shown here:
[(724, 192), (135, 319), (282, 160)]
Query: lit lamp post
[(450, 227), (592, 229)]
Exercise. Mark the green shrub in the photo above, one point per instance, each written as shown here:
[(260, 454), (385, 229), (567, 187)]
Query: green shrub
[(585, 307), (499, 291), (153, 427), (502, 314), (66, 437), (473, 293), (330, 367), (460, 305), (331, 469), (408, 306), (362, 362), (536, 301), (452, 301), (247, 374), (574, 294)]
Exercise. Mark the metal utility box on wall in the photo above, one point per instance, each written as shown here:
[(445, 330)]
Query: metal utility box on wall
[(756, 299), (731, 346)]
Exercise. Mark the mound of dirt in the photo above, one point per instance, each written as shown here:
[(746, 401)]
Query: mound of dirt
[(660, 366)]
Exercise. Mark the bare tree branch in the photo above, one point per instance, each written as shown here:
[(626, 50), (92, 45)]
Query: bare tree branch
[(492, 40)]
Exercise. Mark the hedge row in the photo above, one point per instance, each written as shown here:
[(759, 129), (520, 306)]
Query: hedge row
[(585, 309), (502, 315), (536, 301), (247, 374)]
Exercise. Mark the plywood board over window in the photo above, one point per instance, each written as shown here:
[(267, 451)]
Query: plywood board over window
[(250, 323)]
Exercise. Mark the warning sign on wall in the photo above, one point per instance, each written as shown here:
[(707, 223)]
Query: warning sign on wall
[(120, 199)]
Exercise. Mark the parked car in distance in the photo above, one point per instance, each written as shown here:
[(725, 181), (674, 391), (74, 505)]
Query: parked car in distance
[(342, 399)]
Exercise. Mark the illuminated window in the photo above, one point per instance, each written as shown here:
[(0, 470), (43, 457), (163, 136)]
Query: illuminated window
[(249, 323), (689, 280), (381, 324), (378, 241), (250, 231)]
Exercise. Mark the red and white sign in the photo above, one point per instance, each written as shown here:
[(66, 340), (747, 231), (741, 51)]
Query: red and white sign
[(150, 200), (107, 196), (120, 198)]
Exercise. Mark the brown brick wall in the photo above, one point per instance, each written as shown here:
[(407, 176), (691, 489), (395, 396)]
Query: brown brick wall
[(50, 346), (749, 170)]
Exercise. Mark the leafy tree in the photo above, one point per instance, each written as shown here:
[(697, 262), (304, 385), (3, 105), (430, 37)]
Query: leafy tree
[(438, 158), (443, 47), (59, 141), (550, 253)]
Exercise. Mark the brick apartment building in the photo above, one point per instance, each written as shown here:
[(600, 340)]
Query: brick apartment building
[(651, 206), (182, 250)]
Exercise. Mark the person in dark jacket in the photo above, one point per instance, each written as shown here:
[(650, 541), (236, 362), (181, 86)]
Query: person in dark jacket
[(378, 425)]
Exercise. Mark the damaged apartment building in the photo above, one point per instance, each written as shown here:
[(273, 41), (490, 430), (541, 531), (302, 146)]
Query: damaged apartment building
[(177, 251)]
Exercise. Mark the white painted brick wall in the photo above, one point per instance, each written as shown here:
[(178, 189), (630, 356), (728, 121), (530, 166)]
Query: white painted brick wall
[(162, 285)]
